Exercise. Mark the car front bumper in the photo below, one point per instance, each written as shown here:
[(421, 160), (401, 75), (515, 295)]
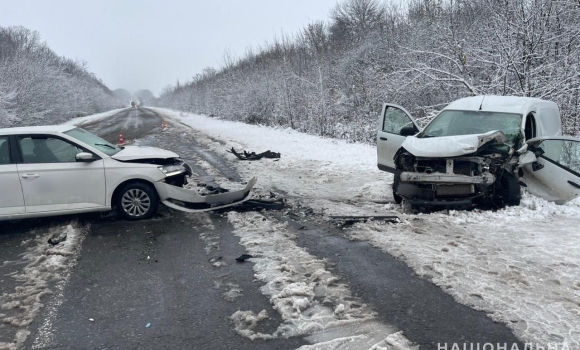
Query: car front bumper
[(191, 201)]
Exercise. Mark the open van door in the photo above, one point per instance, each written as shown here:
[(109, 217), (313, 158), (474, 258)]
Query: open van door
[(555, 175), (395, 124)]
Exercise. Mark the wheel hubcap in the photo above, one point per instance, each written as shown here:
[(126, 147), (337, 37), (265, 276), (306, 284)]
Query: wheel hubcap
[(136, 202)]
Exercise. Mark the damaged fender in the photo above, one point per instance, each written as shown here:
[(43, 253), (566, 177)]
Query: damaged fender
[(191, 201)]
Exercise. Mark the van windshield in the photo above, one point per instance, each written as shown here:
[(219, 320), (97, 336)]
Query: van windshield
[(453, 123)]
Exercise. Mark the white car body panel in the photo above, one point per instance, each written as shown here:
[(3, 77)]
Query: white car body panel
[(118, 172), (551, 181), (11, 198), (447, 146), (62, 186), (389, 142), (138, 152)]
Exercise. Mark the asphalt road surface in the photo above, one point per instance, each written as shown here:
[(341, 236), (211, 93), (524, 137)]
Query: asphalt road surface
[(153, 284)]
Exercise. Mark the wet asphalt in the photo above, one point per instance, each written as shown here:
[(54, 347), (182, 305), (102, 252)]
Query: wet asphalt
[(151, 284)]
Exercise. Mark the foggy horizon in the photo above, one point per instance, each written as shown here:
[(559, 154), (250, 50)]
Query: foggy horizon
[(149, 45)]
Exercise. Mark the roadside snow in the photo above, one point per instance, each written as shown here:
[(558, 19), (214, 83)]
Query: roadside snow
[(519, 264), (46, 271), (310, 299), (93, 118)]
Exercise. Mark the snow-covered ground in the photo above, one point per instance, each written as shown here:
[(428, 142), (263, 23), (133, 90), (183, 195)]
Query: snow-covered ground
[(46, 270), (521, 264), (93, 117)]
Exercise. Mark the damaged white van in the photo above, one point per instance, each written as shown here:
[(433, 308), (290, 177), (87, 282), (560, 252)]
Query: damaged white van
[(57, 170), (479, 151)]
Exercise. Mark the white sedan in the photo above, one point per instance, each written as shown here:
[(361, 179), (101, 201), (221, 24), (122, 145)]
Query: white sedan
[(57, 170)]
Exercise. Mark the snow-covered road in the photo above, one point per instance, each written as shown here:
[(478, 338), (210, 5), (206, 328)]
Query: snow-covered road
[(521, 265)]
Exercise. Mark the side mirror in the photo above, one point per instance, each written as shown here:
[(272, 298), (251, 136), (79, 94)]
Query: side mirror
[(537, 166), (537, 151), (85, 157), (408, 130)]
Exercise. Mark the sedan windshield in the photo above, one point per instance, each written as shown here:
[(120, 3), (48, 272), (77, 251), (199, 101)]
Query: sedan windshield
[(452, 123), (94, 141)]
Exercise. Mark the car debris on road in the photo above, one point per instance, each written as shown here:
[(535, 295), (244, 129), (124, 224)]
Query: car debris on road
[(351, 219), (253, 156), (243, 257), (57, 240)]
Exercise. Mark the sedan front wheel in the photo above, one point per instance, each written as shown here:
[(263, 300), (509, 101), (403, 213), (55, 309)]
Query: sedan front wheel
[(137, 201)]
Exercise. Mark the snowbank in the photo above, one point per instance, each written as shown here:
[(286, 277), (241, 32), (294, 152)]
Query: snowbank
[(93, 118)]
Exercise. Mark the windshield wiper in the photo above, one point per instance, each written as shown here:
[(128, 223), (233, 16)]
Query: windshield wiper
[(104, 144)]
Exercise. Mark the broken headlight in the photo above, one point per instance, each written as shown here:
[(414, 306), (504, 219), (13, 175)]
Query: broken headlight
[(171, 170)]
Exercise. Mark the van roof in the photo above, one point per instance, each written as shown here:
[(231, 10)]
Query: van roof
[(506, 104)]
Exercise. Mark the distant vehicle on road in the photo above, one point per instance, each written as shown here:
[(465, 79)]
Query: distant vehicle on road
[(133, 104), (57, 170)]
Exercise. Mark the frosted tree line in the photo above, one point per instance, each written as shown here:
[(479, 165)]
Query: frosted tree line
[(39, 87), (332, 77)]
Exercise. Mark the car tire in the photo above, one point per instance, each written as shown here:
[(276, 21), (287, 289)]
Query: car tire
[(398, 199), (137, 201), (396, 179), (513, 190), (508, 192)]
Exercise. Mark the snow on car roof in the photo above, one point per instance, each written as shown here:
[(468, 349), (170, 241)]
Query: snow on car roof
[(506, 104), (37, 129)]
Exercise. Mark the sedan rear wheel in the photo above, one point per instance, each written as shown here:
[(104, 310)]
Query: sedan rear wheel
[(137, 201)]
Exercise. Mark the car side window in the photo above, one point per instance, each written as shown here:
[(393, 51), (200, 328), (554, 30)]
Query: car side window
[(4, 151), (563, 152), (394, 120), (46, 149)]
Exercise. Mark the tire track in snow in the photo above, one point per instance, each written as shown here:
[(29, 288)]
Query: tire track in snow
[(46, 272), (310, 299)]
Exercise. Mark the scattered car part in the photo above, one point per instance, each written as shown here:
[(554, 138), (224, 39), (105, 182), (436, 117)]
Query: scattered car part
[(350, 219), (243, 257), (253, 156), (57, 240)]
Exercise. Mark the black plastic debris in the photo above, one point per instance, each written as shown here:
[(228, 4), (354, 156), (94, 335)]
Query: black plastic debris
[(243, 257), (57, 240), (212, 189), (351, 219), (255, 156)]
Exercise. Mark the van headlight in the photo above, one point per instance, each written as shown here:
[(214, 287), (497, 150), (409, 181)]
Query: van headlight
[(170, 170)]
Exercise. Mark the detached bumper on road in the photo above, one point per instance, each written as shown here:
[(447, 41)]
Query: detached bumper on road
[(191, 201)]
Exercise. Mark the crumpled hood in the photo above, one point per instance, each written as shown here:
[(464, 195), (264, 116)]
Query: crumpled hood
[(138, 152), (450, 146)]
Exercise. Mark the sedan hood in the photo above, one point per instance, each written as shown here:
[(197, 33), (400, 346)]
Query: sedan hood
[(450, 146), (136, 152)]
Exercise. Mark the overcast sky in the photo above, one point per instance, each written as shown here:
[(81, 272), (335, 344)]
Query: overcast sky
[(146, 44)]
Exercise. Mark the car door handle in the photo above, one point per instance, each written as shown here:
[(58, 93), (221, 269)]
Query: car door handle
[(573, 184), (383, 138), (30, 176)]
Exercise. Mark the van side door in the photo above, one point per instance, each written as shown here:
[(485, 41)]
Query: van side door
[(555, 176), (395, 123)]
